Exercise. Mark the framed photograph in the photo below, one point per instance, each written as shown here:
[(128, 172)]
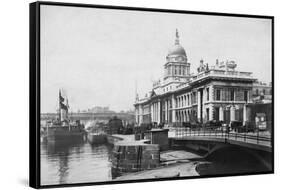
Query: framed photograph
[(126, 94)]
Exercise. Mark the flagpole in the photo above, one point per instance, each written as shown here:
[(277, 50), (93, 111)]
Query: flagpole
[(59, 106)]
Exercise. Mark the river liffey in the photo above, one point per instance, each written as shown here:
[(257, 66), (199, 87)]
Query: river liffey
[(75, 163), (85, 163)]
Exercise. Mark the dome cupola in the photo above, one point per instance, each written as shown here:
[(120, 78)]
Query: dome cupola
[(176, 61), (177, 49)]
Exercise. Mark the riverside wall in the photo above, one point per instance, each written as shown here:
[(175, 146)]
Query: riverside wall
[(129, 155)]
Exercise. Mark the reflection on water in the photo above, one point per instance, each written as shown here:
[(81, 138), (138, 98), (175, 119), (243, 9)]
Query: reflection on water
[(79, 162)]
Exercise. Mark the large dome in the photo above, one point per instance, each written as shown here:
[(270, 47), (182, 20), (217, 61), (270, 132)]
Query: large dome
[(177, 49)]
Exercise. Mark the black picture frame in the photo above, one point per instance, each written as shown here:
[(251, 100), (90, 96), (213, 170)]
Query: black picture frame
[(34, 91)]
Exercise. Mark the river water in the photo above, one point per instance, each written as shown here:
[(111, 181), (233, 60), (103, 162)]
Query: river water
[(75, 163), (83, 162)]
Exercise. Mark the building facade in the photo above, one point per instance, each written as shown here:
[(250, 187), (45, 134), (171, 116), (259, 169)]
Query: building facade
[(217, 92), (262, 92)]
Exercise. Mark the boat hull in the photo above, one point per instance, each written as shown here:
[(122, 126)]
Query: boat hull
[(96, 138), (66, 137), (61, 134)]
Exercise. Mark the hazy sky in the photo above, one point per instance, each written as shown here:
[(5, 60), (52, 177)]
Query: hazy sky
[(97, 55)]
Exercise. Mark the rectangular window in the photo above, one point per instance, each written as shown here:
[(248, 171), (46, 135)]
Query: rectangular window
[(218, 94), (231, 94), (207, 94), (207, 114), (246, 96)]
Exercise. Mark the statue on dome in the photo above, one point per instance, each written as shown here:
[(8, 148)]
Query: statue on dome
[(203, 67), (177, 41)]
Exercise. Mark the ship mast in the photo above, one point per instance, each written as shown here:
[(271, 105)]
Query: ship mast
[(67, 107), (59, 112)]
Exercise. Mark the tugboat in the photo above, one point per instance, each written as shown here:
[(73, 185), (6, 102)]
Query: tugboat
[(63, 129), (96, 134)]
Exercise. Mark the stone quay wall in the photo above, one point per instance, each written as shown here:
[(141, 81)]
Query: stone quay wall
[(129, 155)]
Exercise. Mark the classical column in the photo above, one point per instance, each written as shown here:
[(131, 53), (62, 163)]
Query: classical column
[(244, 114), (180, 114), (211, 93), (166, 110), (232, 113), (198, 105), (155, 111), (211, 112), (159, 111), (173, 109), (151, 112), (221, 114)]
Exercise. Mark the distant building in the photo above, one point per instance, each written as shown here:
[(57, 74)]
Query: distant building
[(100, 109), (217, 92)]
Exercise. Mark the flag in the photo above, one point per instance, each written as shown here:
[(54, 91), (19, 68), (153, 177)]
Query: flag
[(64, 107), (61, 98)]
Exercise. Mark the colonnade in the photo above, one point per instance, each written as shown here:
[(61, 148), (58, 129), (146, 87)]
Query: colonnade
[(187, 115), (232, 113), (183, 115), (166, 111), (155, 112)]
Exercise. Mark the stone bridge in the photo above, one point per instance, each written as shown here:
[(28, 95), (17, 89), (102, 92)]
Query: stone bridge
[(257, 145)]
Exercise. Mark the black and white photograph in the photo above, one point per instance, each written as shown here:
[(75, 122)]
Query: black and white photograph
[(130, 94)]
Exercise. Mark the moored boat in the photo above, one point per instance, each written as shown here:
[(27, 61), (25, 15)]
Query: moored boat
[(96, 138), (63, 129), (96, 135)]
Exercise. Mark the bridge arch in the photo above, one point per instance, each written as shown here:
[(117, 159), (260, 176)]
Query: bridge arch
[(240, 158)]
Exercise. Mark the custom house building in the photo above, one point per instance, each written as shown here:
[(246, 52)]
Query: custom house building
[(215, 92)]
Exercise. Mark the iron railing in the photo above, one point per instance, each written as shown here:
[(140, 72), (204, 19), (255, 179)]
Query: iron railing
[(255, 137)]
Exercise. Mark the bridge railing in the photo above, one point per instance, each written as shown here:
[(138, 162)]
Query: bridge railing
[(256, 137)]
